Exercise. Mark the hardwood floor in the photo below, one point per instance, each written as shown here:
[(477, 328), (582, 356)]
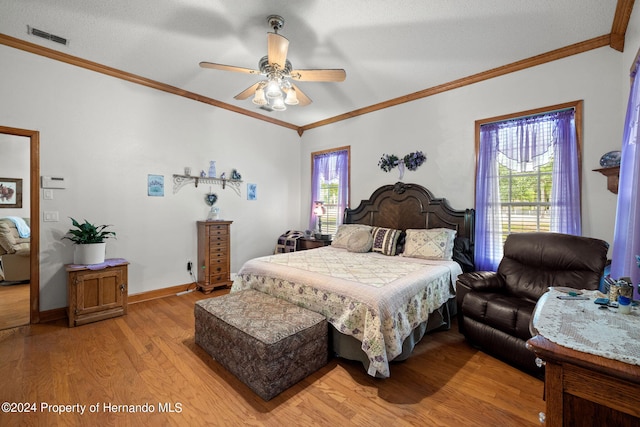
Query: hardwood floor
[(149, 357), (14, 305)]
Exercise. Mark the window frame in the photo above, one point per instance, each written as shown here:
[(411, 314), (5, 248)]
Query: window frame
[(577, 107), (346, 148)]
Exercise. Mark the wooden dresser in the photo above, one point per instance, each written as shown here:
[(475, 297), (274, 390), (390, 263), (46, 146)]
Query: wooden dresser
[(214, 255), (96, 294), (583, 389)]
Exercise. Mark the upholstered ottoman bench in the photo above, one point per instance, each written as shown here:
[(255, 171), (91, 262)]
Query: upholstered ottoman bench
[(266, 342)]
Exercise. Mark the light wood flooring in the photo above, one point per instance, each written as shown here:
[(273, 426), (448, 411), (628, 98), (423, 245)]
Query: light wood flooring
[(149, 357), (14, 305)]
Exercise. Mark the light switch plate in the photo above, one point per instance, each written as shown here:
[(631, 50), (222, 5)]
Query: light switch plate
[(50, 216)]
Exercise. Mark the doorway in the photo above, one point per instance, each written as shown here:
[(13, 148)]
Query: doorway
[(31, 139)]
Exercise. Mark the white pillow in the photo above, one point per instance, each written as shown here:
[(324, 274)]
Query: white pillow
[(360, 241), (435, 243), (345, 231)]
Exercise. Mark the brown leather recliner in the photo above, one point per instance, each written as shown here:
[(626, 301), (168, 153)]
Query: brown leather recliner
[(495, 308)]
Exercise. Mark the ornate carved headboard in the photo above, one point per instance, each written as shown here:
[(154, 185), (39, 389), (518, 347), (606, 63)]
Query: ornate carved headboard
[(402, 206)]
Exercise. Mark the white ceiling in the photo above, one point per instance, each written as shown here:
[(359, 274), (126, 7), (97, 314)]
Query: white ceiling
[(389, 48)]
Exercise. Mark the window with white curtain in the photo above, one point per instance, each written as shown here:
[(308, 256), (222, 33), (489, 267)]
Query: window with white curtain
[(329, 185), (527, 177)]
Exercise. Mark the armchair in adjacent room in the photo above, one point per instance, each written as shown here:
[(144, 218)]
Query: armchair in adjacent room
[(15, 252), (495, 308)]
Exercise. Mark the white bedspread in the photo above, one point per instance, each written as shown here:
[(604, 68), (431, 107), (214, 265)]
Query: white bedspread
[(375, 298)]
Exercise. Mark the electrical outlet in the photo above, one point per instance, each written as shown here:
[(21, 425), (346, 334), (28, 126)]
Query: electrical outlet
[(189, 265)]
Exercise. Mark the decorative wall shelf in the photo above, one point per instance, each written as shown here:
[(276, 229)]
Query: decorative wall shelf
[(180, 181), (613, 175)]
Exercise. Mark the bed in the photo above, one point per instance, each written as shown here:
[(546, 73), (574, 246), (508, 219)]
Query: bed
[(379, 304)]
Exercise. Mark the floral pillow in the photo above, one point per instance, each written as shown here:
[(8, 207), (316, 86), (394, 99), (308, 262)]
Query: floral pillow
[(435, 243), (385, 240), (341, 239)]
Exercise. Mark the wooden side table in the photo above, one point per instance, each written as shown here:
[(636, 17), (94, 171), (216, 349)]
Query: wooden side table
[(583, 388), (96, 292), (305, 243)]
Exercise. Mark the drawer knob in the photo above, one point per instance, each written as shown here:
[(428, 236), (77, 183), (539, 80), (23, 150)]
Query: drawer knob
[(540, 363), (542, 417)]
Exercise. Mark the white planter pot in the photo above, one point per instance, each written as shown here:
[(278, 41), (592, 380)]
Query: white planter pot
[(92, 253)]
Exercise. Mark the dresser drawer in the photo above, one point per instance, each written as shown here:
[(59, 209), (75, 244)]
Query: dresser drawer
[(219, 278), (219, 269), (218, 230), (218, 249), (218, 240), (217, 258)]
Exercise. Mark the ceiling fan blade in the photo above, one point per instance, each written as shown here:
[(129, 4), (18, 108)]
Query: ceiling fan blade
[(329, 75), (302, 98), (247, 92), (228, 68), (277, 47)]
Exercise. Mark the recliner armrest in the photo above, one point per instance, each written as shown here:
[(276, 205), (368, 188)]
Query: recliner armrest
[(481, 281)]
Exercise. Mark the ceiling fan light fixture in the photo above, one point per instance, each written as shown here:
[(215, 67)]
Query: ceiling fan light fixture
[(259, 98), (278, 104), (276, 90), (292, 98), (273, 89)]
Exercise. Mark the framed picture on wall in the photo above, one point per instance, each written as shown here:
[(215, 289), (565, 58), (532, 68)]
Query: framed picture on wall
[(155, 185), (251, 192), (10, 192)]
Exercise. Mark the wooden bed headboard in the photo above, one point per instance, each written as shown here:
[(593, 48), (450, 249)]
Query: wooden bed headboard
[(402, 206)]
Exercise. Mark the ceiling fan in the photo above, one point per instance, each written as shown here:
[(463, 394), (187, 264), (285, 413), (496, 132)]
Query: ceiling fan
[(277, 91)]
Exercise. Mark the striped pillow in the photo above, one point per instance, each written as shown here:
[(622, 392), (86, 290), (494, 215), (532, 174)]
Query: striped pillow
[(385, 240)]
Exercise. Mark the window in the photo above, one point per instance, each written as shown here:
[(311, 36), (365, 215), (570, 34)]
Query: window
[(329, 185), (525, 199), (527, 177)]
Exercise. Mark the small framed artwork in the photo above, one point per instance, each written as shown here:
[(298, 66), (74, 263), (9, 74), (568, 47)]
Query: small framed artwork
[(10, 192), (251, 192), (155, 185)]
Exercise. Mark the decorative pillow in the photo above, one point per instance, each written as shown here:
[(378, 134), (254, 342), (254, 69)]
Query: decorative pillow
[(385, 240), (7, 239), (435, 243), (360, 241), (344, 232)]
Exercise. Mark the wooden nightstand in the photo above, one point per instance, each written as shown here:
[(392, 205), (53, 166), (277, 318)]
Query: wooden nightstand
[(305, 243), (96, 294)]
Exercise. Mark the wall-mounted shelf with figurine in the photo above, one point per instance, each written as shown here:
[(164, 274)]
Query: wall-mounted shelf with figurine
[(613, 175), (180, 181)]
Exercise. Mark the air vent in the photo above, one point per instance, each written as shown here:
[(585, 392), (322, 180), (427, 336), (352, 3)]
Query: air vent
[(43, 34)]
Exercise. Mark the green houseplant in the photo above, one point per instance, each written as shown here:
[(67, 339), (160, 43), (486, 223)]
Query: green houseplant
[(89, 240)]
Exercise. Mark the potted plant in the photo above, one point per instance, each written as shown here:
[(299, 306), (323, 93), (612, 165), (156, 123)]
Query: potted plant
[(90, 242)]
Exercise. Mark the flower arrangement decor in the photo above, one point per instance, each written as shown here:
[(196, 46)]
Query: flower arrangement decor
[(411, 161), (388, 162)]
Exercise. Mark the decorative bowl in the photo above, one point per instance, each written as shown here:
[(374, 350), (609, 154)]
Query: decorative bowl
[(610, 159)]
